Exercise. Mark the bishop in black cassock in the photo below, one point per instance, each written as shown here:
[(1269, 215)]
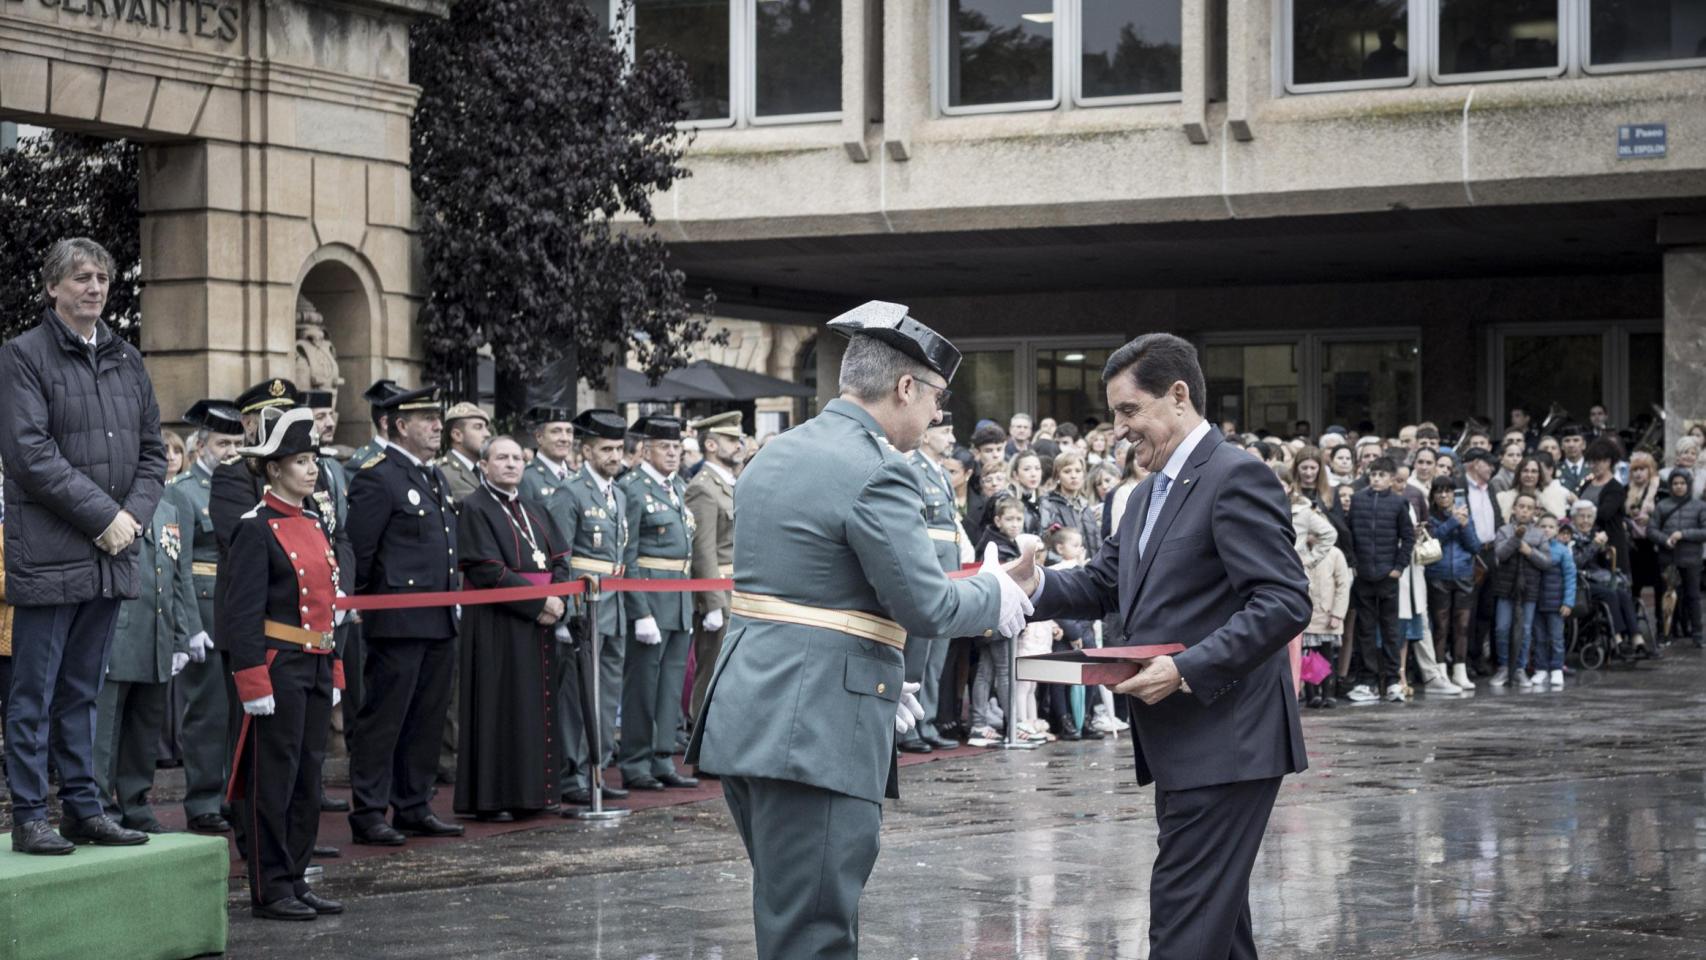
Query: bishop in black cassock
[(507, 755)]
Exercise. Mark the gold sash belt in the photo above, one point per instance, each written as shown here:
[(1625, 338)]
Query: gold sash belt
[(866, 626), (949, 536), (306, 638), (726, 571), (658, 563), (588, 565)]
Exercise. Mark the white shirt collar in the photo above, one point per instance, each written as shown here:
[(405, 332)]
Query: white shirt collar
[(502, 496), (599, 480), (1182, 455), (652, 472), (558, 470), (721, 472)]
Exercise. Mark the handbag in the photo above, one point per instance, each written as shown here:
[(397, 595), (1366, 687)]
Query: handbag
[(1429, 550)]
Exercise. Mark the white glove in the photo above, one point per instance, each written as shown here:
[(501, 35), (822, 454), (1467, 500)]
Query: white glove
[(337, 696), (646, 631), (260, 707), (340, 616), (1015, 606), (714, 621), (908, 712), (178, 661), (562, 633), (200, 644)]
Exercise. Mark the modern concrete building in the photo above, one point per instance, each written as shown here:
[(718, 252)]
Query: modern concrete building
[(1361, 209), (276, 208)]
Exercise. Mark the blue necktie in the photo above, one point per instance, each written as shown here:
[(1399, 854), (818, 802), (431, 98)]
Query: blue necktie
[(1157, 497)]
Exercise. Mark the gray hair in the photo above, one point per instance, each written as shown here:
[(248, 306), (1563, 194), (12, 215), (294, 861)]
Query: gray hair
[(1584, 506), (63, 258), (1687, 444), (486, 448), (870, 368)]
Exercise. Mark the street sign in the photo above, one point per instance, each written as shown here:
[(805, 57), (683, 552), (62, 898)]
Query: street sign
[(1641, 141)]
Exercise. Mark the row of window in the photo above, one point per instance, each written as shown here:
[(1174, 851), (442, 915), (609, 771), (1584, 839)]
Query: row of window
[(779, 61)]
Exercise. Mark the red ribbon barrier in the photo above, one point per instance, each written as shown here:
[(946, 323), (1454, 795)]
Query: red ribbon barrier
[(469, 598)]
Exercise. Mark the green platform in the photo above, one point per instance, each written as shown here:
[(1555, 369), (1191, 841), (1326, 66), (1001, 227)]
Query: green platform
[(164, 899)]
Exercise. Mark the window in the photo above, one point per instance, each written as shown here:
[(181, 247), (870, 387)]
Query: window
[(983, 388), (797, 61), (1253, 385), (1129, 49), (1000, 54), (1069, 384), (1374, 380), (1497, 40), (1645, 34), (1348, 44), (749, 61)]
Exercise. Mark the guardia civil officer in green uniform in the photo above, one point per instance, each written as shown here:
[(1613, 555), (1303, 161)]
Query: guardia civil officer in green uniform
[(660, 624), (377, 395), (203, 730), (927, 656), (149, 648), (834, 570), (589, 510)]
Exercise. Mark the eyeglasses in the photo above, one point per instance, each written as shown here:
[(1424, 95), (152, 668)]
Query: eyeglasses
[(943, 394)]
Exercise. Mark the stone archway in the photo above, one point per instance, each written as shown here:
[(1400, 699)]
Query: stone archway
[(340, 332)]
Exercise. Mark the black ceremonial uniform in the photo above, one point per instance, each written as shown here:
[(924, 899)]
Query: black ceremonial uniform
[(403, 527), (277, 616)]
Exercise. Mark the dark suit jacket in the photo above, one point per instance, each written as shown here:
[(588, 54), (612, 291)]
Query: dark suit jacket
[(1221, 577)]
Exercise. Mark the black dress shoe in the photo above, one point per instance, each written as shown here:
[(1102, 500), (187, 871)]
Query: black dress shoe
[(644, 783), (333, 804), (327, 853), (101, 831), (612, 793), (210, 823), (37, 837), (942, 743), (288, 908), (501, 816), (1091, 733), (144, 826), (914, 746), (577, 795), (320, 904), (678, 781), (381, 834), (428, 826)]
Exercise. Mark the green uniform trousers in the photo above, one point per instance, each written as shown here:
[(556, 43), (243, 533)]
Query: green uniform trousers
[(128, 717), (812, 851), (653, 676)]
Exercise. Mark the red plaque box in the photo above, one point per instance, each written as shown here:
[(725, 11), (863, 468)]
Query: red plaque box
[(1102, 665)]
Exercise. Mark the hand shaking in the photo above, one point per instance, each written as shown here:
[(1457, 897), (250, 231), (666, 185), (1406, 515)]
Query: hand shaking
[(1015, 599)]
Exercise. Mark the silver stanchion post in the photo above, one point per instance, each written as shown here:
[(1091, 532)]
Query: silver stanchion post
[(1011, 741), (593, 714)]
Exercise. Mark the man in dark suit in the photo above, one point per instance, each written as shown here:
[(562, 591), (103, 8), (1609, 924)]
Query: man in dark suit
[(1203, 556)]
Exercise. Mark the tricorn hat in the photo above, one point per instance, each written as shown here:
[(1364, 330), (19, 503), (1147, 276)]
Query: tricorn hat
[(890, 323), (538, 416), (215, 416), (317, 399), (283, 433), (658, 426), (603, 424)]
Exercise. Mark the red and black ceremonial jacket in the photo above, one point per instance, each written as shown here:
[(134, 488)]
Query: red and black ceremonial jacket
[(280, 567)]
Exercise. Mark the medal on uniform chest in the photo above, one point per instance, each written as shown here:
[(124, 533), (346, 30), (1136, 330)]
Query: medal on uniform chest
[(597, 537), (414, 498)]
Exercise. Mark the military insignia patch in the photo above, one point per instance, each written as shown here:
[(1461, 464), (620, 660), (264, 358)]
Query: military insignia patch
[(373, 459), (414, 498), (171, 541)]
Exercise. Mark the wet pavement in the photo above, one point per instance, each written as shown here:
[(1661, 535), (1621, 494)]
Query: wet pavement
[(1563, 824)]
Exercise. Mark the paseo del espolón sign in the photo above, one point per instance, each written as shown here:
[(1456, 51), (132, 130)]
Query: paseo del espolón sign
[(207, 19)]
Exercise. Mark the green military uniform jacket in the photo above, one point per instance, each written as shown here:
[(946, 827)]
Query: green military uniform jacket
[(149, 628), (828, 515), (189, 493), (464, 478), (940, 512), (660, 527), (362, 454), (597, 535), (711, 499)]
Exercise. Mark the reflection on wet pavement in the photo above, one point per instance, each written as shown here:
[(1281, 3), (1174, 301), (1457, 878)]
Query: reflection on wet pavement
[(1555, 824)]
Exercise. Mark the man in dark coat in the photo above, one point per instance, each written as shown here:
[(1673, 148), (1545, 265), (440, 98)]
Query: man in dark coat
[(507, 751), (85, 468)]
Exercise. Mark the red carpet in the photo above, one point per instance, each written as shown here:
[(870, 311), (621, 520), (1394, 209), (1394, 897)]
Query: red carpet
[(335, 830)]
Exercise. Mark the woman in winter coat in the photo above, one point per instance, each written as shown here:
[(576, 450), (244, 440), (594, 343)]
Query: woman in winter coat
[(1678, 527), (1314, 539), (1451, 581), (1069, 504)]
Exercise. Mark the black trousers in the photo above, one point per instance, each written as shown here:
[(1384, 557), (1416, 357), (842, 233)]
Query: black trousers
[(279, 764), (1376, 603), (1686, 621), (1199, 891), (59, 655), (406, 687)]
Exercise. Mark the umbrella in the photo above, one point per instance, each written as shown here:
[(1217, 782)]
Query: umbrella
[(727, 383), (632, 387)]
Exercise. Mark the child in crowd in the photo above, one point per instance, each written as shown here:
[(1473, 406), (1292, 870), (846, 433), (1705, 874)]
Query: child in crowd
[(1553, 605), (1329, 596), (1067, 543), (993, 652), (1523, 551), (1383, 539)]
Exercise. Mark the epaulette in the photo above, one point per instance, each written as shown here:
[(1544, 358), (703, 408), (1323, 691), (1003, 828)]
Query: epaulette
[(373, 459)]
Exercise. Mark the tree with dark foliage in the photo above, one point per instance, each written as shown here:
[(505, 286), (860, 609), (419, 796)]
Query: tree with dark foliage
[(537, 149), (68, 185)]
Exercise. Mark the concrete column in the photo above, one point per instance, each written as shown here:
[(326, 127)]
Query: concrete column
[(1685, 340)]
